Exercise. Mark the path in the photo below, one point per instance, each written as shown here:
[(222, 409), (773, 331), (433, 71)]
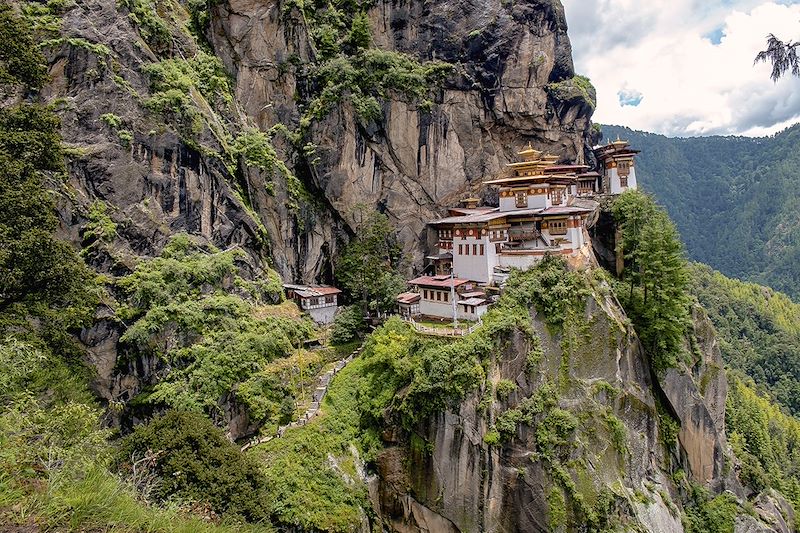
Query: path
[(316, 400)]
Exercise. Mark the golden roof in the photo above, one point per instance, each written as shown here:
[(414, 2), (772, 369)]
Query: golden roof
[(529, 153)]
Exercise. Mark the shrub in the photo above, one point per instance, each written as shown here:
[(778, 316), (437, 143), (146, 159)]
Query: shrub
[(504, 388), (196, 463), (556, 292), (348, 325)]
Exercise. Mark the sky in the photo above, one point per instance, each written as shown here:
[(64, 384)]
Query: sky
[(685, 67)]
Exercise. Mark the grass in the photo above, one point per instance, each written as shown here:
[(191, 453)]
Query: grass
[(100, 501), (312, 470)]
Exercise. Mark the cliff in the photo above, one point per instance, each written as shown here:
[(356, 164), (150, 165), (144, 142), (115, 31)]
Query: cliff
[(569, 430), (164, 159)]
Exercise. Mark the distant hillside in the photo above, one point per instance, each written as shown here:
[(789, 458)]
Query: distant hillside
[(758, 331), (736, 200)]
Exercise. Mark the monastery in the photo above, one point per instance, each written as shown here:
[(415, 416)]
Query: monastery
[(540, 213)]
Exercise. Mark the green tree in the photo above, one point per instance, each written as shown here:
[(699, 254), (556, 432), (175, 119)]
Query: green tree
[(193, 461), (38, 273), (369, 266), (656, 270), (20, 60)]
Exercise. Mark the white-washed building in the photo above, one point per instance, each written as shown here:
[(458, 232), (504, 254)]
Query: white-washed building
[(616, 161), (536, 216), (320, 301), (443, 296), (540, 213), (408, 304)]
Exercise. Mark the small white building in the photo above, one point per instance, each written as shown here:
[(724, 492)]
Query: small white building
[(442, 296), (473, 305), (408, 304), (617, 167), (320, 301), (439, 295)]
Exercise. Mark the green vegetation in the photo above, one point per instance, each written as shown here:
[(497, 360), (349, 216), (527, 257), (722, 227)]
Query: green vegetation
[(54, 456), (153, 29), (577, 87), (369, 267), (312, 471), (758, 330), (432, 374), (256, 148), (113, 121), (706, 514), (556, 292), (21, 63), (370, 76), (657, 293), (183, 457), (734, 200), (349, 70), (176, 84), (504, 388), (348, 325), (764, 439), (182, 307)]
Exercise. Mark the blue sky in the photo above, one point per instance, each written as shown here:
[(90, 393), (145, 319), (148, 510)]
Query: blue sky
[(685, 67)]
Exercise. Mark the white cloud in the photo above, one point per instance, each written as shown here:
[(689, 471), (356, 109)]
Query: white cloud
[(664, 51)]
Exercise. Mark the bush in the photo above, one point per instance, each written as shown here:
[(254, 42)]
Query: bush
[(504, 388), (348, 325), (194, 462)]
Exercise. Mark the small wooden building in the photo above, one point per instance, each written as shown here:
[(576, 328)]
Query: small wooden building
[(320, 301), (408, 304)]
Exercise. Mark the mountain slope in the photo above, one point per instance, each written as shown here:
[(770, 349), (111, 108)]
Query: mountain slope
[(734, 199)]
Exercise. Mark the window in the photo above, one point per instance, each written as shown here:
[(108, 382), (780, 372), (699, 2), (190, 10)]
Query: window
[(558, 227), (522, 198), (624, 168), (623, 181), (483, 250), (438, 296), (497, 248), (474, 249), (466, 250), (557, 196), (460, 249), (425, 294), (329, 299), (447, 297)]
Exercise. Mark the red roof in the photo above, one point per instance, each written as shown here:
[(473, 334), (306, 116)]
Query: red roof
[(408, 297), (311, 291), (429, 281), (325, 290)]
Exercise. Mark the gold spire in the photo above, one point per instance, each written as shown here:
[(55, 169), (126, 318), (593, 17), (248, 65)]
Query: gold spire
[(529, 153)]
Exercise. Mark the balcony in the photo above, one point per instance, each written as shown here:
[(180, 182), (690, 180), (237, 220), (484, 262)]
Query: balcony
[(524, 235)]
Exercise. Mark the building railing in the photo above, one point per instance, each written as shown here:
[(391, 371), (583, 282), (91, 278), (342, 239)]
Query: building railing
[(524, 235), (445, 331)]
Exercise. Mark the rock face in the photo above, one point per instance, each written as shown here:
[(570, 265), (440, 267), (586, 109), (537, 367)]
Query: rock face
[(157, 175), (413, 162), (409, 163), (696, 392), (465, 484)]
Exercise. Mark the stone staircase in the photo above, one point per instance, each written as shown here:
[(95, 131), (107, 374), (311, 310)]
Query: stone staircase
[(316, 400)]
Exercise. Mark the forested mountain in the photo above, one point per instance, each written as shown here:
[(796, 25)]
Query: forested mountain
[(759, 336), (735, 199)]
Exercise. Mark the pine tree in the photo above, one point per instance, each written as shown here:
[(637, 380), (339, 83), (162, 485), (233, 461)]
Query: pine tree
[(656, 270)]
